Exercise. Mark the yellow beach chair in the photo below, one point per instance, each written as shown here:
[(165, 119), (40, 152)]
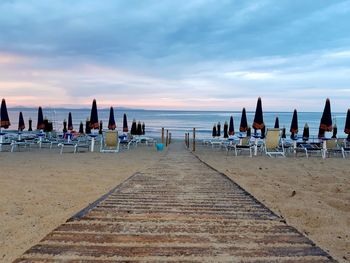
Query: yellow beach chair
[(110, 142), (272, 144)]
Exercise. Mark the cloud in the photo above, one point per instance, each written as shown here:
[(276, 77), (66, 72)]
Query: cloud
[(177, 54)]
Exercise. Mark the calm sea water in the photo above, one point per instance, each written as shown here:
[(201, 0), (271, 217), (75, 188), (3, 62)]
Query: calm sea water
[(178, 122)]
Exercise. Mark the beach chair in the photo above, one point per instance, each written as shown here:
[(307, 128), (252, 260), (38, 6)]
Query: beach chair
[(110, 142), (272, 144), (244, 145), (331, 147), (345, 148), (76, 144), (310, 148)]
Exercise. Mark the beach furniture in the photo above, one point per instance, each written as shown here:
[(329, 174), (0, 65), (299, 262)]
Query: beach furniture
[(244, 145), (345, 148), (272, 144), (312, 148), (331, 147), (110, 142), (76, 144)]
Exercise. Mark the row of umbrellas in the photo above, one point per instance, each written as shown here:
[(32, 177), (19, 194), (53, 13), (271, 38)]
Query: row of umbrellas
[(92, 123), (258, 124)]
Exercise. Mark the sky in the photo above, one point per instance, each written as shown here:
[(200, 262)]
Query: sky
[(190, 55)]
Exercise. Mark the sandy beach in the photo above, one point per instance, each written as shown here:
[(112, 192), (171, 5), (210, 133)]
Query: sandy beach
[(42, 189), (312, 194)]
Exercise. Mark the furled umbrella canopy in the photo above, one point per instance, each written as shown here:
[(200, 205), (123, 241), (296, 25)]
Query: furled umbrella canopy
[(21, 125), (87, 127), (30, 123), (225, 130), (139, 128), (81, 128), (263, 132), (64, 126), (249, 132), (258, 123), (100, 128), (70, 121), (277, 123), (125, 123), (143, 129), (335, 130), (231, 129), (40, 124), (94, 124), (306, 132), (46, 125), (111, 121), (326, 120), (4, 116), (294, 125), (218, 130), (133, 130), (347, 125), (283, 133), (244, 123), (214, 131)]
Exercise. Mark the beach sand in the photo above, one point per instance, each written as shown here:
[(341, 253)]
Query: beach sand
[(312, 194), (42, 189)]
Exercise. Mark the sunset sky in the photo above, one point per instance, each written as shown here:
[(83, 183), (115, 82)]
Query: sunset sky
[(198, 55)]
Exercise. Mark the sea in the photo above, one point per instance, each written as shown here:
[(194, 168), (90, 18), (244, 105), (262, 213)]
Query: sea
[(177, 122)]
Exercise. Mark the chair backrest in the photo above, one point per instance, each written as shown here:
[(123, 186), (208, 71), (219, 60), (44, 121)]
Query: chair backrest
[(111, 138), (245, 140), (272, 139), (331, 144)]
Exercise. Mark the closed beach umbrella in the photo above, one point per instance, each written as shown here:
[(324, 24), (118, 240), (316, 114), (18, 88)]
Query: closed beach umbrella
[(64, 126), (347, 125), (46, 125), (277, 123), (111, 121), (214, 131), (283, 133), (4, 116), (125, 124), (263, 132), (306, 132), (87, 127), (258, 123), (249, 132), (30, 122), (21, 124), (218, 130), (40, 124), (231, 129), (326, 120), (143, 129), (94, 124), (133, 130), (244, 123), (81, 128), (225, 130), (294, 125), (139, 128), (100, 128), (335, 130), (70, 121)]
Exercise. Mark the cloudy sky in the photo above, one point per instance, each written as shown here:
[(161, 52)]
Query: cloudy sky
[(197, 54)]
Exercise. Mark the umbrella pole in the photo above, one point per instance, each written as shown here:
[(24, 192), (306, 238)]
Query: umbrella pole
[(256, 146), (0, 139), (92, 143)]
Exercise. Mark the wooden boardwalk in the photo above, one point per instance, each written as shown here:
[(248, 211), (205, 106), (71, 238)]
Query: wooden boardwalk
[(178, 211)]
